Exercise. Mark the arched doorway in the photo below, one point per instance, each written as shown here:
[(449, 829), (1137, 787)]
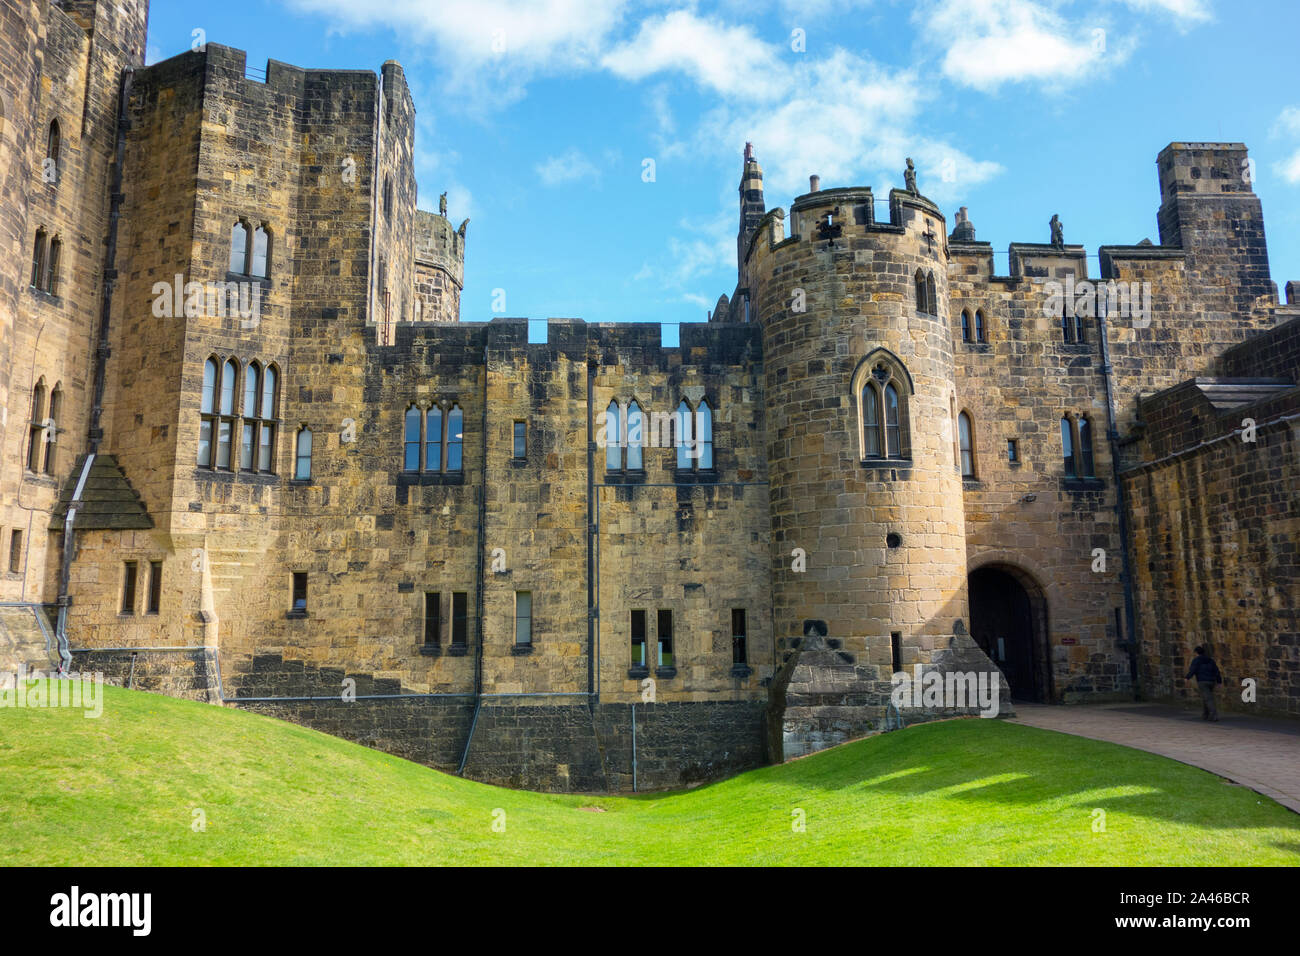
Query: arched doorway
[(1008, 617)]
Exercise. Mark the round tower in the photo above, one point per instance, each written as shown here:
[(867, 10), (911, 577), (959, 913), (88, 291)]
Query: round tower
[(867, 520)]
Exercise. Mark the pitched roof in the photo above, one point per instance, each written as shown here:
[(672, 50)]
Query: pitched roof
[(108, 502)]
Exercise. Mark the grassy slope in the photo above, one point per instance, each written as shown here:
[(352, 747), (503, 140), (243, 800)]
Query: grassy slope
[(121, 790)]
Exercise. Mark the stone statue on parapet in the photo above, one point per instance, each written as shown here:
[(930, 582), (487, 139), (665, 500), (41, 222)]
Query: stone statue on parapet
[(909, 177), (1058, 233), (442, 205)]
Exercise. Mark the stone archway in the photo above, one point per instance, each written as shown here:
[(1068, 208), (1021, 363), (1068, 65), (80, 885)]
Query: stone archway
[(1008, 613)]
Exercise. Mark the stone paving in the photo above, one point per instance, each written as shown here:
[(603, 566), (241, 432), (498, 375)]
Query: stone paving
[(1256, 752)]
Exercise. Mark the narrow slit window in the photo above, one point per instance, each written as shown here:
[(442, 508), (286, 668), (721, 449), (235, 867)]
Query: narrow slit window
[(635, 438), (893, 428), (261, 253), (411, 461), (704, 436), (15, 551), (455, 439), (967, 445), (36, 429), (1085, 448), (155, 587), (459, 617), (268, 420), (739, 640), (980, 331), (239, 248), (613, 439), (685, 452), (433, 617), (871, 421), (523, 618), (249, 433), (207, 409), (965, 326), (433, 439), (665, 637), (302, 460), (896, 649), (1013, 451), (1067, 446), (300, 591), (128, 587), (638, 639), (521, 440)]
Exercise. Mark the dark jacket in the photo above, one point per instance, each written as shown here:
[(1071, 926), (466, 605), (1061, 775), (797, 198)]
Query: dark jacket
[(1205, 670)]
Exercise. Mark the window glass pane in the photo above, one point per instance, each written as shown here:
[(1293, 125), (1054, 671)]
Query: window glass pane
[(229, 374), (523, 617), (433, 440), (261, 248), (268, 392), (967, 456), (521, 440), (205, 442), (635, 437), (965, 326), (224, 429), (613, 439), (704, 432), (871, 421), (411, 461), (252, 377), (247, 446), (458, 617), (893, 445), (665, 637), (1067, 444), (303, 469), (455, 436), (683, 423), (209, 385), (979, 326), (300, 590), (265, 447), (433, 618), (238, 248), (1085, 448), (638, 638)]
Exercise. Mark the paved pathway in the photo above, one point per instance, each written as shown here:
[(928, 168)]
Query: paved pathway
[(1256, 752)]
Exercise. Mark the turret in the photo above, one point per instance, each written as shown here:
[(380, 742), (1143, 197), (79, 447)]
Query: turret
[(751, 206)]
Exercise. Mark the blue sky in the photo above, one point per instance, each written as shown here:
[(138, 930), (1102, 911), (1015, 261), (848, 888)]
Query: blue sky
[(538, 117)]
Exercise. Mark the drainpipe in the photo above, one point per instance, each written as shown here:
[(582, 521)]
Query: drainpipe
[(1121, 510), (478, 582), (593, 529), (95, 432)]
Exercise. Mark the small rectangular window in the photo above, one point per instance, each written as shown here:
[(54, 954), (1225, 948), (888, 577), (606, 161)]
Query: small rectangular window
[(1013, 453), (300, 590), (739, 649), (155, 587), (521, 439), (15, 551), (432, 617), (128, 588), (665, 635), (523, 617), (458, 617), (896, 649), (638, 639)]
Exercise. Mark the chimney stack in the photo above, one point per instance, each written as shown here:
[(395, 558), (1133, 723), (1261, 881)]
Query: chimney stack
[(814, 183)]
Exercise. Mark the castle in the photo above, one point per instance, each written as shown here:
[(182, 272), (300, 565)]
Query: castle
[(251, 454)]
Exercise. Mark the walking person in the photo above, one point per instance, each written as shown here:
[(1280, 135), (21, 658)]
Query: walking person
[(1207, 677)]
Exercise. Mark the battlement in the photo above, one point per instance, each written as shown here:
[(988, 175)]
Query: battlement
[(1204, 168), (705, 343)]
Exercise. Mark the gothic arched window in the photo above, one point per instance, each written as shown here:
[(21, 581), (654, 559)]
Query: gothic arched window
[(981, 334), (922, 302), (53, 147), (635, 437), (704, 435), (36, 430), (455, 438), (433, 439), (881, 388), (966, 441), (260, 267), (302, 458), (965, 326), (685, 450), (239, 248), (1067, 446), (613, 439), (1085, 447), (411, 440)]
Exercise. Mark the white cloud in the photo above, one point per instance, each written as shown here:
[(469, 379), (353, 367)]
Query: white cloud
[(1189, 10), (568, 167), (488, 49), (729, 60), (991, 42), (1288, 125)]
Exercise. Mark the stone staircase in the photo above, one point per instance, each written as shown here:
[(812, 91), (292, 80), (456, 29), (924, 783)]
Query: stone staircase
[(26, 639)]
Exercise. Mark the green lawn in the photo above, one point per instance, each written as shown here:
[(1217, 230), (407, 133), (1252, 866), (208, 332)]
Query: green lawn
[(122, 789)]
